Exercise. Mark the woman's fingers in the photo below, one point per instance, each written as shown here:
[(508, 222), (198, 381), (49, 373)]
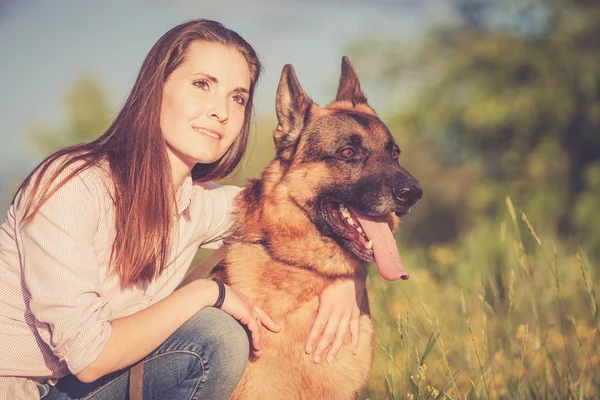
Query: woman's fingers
[(355, 330), (252, 322), (339, 338), (266, 321), (328, 336), (242, 308), (316, 330)]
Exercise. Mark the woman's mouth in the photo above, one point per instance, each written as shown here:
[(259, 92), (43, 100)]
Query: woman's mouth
[(210, 133)]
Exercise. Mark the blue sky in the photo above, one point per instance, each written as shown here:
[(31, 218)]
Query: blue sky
[(47, 44)]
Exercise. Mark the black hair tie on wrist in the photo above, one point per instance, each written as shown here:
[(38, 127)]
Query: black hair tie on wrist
[(221, 297)]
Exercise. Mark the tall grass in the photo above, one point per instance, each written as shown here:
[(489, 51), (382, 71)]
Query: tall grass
[(506, 313)]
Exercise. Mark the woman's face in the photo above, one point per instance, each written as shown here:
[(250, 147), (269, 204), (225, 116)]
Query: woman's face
[(203, 104)]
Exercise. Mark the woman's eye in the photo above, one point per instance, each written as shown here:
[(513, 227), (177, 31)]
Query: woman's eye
[(395, 154), (238, 98), (347, 152), (202, 84)]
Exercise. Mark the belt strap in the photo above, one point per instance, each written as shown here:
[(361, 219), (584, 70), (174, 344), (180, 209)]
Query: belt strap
[(136, 381)]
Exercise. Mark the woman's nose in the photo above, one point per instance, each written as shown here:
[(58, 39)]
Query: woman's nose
[(218, 110)]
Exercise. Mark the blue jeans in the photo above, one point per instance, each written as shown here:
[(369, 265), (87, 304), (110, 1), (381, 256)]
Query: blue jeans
[(204, 359)]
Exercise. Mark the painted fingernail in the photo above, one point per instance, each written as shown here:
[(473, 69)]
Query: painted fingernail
[(317, 359)]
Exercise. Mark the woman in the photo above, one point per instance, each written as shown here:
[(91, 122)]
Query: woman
[(100, 235)]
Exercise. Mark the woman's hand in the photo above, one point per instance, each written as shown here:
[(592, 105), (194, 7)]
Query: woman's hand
[(339, 309), (241, 307)]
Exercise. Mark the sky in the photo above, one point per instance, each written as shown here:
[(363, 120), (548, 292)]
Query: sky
[(45, 45)]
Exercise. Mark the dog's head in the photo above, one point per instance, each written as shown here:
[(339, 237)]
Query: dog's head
[(341, 166)]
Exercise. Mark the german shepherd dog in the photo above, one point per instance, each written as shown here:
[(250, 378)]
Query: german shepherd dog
[(325, 207)]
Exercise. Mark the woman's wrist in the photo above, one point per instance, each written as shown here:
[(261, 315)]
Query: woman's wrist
[(204, 291), (222, 293)]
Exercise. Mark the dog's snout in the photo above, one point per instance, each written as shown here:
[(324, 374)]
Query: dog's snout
[(407, 193)]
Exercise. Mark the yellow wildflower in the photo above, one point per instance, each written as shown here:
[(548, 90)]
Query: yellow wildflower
[(520, 334)]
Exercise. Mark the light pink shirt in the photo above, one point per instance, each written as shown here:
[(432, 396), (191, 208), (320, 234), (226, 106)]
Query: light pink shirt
[(56, 296)]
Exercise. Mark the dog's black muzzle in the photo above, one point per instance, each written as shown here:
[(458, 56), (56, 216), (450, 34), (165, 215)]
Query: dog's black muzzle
[(406, 191)]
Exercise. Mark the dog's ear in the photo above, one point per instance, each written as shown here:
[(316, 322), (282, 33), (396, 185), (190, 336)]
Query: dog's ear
[(349, 88), (292, 105)]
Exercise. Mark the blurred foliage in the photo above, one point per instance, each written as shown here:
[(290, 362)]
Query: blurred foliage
[(88, 115), (505, 101), (507, 324)]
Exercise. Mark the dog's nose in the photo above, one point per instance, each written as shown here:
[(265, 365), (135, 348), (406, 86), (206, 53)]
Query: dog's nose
[(407, 193)]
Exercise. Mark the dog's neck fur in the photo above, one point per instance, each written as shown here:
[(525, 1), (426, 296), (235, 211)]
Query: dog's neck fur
[(287, 233)]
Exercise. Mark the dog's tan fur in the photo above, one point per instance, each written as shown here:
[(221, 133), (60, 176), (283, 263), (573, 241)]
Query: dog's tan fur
[(278, 257)]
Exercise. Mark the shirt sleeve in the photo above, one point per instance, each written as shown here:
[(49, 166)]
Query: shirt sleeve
[(61, 273), (219, 203)]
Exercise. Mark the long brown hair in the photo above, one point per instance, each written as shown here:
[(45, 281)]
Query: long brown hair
[(136, 153)]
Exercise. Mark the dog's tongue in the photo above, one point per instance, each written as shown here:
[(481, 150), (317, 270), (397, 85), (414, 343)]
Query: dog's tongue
[(386, 253)]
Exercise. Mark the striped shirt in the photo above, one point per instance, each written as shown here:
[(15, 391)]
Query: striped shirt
[(56, 294)]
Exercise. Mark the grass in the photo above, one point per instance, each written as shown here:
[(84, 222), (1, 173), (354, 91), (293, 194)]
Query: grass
[(506, 313)]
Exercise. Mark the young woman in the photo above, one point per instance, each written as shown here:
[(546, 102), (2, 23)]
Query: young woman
[(100, 235)]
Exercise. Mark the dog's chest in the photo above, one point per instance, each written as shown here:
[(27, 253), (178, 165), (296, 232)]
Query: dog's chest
[(290, 297), (285, 371)]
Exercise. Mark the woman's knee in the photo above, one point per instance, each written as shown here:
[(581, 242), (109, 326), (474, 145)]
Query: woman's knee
[(225, 343), (209, 352)]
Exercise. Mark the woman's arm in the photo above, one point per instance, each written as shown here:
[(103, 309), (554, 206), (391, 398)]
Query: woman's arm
[(72, 314), (339, 310), (135, 336)]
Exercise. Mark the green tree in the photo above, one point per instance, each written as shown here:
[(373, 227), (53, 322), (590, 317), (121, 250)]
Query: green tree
[(88, 115), (510, 95)]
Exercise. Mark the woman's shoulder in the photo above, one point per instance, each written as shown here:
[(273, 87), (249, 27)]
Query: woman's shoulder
[(66, 172), (96, 176), (97, 173)]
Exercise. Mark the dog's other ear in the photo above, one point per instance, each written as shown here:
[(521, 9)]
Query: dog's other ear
[(349, 88), (292, 105)]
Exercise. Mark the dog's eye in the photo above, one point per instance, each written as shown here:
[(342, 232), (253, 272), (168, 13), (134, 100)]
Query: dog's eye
[(347, 152), (395, 154)]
